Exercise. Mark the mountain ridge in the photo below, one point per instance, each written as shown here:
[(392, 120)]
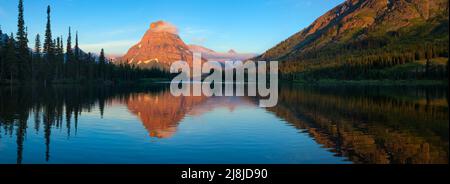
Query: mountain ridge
[(360, 39), (355, 17), (212, 55)]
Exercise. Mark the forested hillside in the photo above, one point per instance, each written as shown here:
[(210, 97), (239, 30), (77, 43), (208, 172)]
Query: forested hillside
[(370, 39)]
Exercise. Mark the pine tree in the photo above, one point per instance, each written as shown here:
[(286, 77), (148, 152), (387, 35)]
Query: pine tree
[(77, 49), (48, 37), (36, 57), (22, 41), (46, 71), (69, 55), (61, 57), (37, 46), (101, 58), (77, 57), (57, 58), (2, 63), (69, 44), (102, 62), (22, 44)]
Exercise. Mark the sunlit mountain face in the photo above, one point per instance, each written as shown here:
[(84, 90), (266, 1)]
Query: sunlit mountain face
[(161, 46)]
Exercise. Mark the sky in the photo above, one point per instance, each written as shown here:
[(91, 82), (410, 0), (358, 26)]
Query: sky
[(247, 26)]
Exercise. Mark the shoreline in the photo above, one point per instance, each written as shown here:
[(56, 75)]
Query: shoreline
[(320, 82), (331, 82)]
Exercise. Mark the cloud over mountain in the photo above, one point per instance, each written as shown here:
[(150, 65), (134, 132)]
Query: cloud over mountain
[(161, 26)]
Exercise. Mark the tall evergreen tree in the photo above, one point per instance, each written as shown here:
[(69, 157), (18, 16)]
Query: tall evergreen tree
[(37, 45), (77, 57), (2, 62), (101, 58), (60, 58), (22, 44), (48, 51), (48, 36), (77, 49), (102, 62), (69, 51), (22, 40), (35, 65), (69, 56)]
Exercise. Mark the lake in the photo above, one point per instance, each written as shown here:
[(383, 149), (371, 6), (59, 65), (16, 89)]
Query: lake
[(147, 125)]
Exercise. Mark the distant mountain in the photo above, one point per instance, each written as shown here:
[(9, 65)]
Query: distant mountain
[(362, 30), (212, 55), (159, 47), (198, 48)]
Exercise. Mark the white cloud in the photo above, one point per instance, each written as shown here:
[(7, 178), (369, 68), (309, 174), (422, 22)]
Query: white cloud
[(162, 26), (112, 47)]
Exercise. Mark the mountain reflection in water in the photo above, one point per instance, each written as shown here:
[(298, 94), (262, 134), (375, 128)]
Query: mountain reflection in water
[(358, 124)]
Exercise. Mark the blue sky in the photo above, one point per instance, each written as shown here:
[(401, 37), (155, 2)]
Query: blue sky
[(243, 25)]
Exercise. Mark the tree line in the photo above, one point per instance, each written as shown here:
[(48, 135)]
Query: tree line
[(418, 52), (396, 63), (51, 62)]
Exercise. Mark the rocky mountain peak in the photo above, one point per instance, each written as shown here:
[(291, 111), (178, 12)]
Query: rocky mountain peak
[(158, 48), (231, 51)]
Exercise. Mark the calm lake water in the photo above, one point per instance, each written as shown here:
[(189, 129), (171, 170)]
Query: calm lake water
[(147, 125)]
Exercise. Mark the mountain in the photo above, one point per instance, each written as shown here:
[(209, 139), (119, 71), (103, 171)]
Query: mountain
[(201, 49), (372, 33), (212, 55), (159, 47)]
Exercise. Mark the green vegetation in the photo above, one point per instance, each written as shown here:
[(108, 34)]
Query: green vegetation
[(335, 82), (423, 72), (378, 58), (344, 48), (49, 64)]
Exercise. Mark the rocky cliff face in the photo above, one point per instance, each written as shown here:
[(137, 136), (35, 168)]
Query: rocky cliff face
[(160, 47), (356, 20)]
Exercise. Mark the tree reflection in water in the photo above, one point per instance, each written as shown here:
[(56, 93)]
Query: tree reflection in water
[(372, 124), (363, 124)]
